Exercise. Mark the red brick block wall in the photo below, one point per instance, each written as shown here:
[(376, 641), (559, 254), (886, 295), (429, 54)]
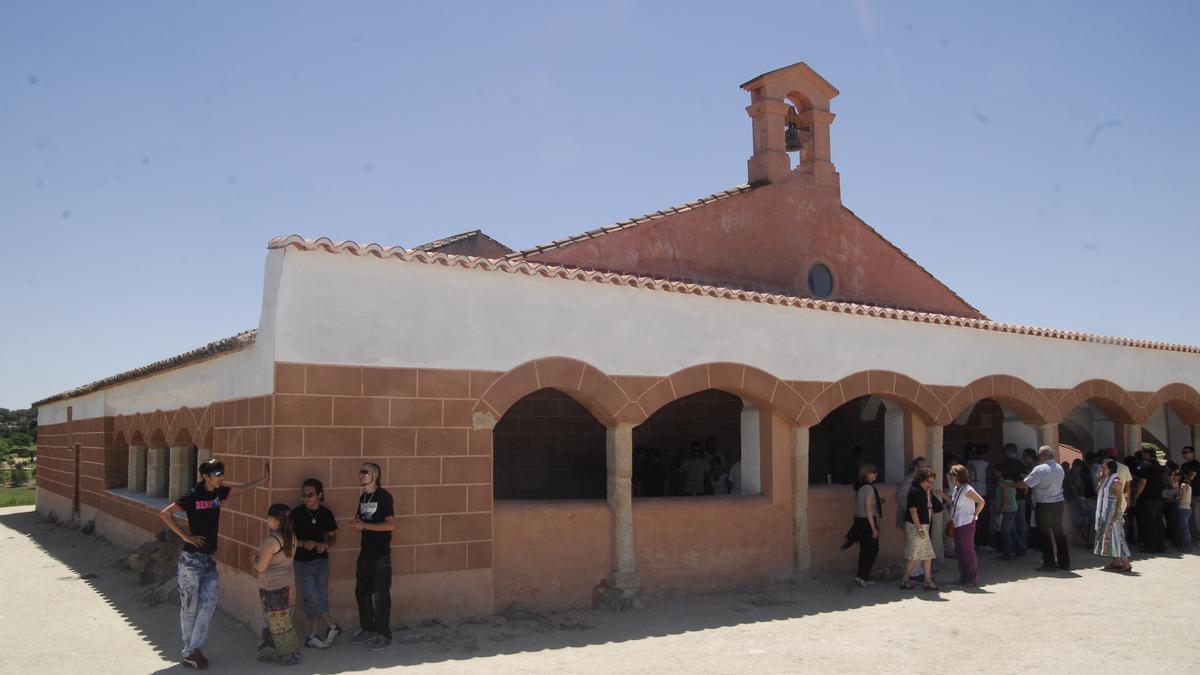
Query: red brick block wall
[(416, 425)]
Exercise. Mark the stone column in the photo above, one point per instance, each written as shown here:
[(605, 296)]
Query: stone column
[(180, 477), (202, 456), (937, 461), (623, 580), (1048, 435), (157, 479), (802, 563), (1133, 438), (137, 469), (770, 161), (751, 473)]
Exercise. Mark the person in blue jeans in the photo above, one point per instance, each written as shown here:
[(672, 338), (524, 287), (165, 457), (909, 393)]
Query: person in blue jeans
[(197, 567), (316, 532)]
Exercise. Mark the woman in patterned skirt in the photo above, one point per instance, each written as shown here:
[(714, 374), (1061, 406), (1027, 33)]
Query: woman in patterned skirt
[(1110, 521), (277, 588)]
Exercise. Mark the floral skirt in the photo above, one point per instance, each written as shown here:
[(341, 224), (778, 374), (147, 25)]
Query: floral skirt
[(917, 548), (279, 636)]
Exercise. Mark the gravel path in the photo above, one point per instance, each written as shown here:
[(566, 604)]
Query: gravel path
[(68, 606)]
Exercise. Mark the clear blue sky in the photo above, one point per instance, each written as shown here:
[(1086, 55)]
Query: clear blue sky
[(1039, 158)]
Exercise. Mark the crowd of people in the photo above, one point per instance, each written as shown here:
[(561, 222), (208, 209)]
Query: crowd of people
[(697, 471), (1114, 505), (292, 560)]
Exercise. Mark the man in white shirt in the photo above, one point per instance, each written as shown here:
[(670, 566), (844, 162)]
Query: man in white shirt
[(1046, 480)]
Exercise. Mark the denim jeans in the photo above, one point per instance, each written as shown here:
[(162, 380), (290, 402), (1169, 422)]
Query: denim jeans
[(1183, 532), (373, 590), (1022, 524), (197, 597), (1010, 537), (312, 578)]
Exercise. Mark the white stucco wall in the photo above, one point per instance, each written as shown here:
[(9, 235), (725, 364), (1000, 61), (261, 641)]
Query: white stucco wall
[(248, 372), (347, 309)]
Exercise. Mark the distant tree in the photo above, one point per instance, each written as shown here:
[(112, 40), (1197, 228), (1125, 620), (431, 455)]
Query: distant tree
[(19, 477)]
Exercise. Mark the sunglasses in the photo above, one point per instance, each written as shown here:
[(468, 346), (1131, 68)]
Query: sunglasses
[(217, 474), (363, 472)]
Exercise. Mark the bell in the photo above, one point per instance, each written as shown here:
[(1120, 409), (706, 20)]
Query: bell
[(792, 138)]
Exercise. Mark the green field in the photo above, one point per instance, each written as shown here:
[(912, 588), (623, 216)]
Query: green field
[(22, 496)]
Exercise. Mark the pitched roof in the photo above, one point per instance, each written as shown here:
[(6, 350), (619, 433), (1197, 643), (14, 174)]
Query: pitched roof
[(550, 271), (633, 222), (456, 238), (914, 262), (704, 201), (228, 345)]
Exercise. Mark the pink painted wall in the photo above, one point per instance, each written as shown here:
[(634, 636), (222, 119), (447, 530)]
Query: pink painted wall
[(830, 513), (767, 240), (710, 543), (550, 554)]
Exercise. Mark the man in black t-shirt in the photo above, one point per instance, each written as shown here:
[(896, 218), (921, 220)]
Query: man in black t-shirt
[(373, 574), (1191, 473), (1149, 497), (197, 568), (316, 531)]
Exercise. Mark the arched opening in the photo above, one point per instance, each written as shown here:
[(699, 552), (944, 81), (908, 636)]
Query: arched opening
[(116, 463), (1094, 425), (1169, 426), (547, 446), (858, 431), (695, 446)]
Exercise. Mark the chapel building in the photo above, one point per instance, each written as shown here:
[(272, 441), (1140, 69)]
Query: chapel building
[(537, 413)]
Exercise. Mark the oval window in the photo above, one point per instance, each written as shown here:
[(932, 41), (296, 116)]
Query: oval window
[(820, 281)]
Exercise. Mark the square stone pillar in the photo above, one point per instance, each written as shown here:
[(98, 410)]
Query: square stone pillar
[(751, 473), (1048, 435), (180, 478), (936, 455), (802, 561), (623, 581), (1133, 438), (202, 456), (157, 479), (137, 469)]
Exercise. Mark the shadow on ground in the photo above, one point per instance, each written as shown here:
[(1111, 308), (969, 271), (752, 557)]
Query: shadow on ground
[(98, 563)]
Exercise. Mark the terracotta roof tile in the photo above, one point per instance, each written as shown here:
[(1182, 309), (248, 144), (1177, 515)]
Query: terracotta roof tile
[(519, 266)]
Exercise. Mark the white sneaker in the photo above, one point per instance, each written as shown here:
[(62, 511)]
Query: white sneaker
[(330, 636), (315, 642)]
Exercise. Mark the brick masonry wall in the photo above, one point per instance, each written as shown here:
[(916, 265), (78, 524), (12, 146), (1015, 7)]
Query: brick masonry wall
[(324, 421), (416, 425)]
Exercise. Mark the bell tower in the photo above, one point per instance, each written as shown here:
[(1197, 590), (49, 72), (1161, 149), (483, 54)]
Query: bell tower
[(789, 108)]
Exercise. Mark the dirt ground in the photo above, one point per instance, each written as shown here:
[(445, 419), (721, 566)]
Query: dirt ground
[(67, 606)]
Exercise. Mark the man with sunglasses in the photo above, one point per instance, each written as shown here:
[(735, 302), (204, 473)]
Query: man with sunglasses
[(316, 531), (373, 573), (197, 567)]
